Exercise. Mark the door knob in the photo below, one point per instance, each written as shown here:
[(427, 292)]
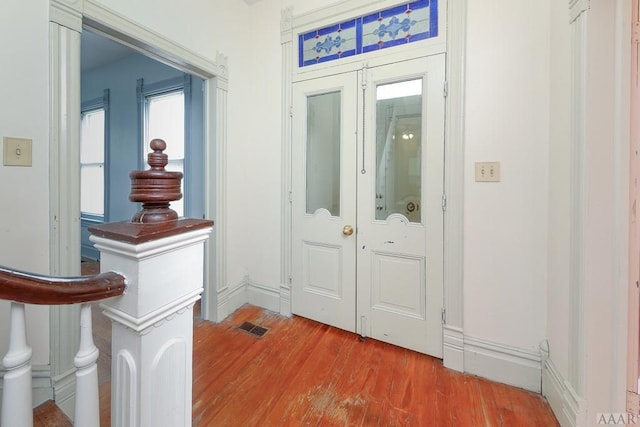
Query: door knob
[(347, 230)]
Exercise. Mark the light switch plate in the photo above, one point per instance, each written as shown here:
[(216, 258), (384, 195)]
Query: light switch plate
[(487, 171), (17, 151)]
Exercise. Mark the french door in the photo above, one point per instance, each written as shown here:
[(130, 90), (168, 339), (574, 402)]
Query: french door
[(367, 218)]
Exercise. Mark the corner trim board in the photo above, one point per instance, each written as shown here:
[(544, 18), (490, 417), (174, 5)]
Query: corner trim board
[(568, 408)]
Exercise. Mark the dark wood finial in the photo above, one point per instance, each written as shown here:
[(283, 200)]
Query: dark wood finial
[(155, 187)]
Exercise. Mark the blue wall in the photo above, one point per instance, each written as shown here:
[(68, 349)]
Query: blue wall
[(123, 146)]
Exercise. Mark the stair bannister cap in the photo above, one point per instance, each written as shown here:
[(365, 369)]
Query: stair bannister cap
[(155, 188)]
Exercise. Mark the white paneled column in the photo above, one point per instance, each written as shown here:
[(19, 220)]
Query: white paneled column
[(453, 333), (64, 188), (152, 338), (286, 41)]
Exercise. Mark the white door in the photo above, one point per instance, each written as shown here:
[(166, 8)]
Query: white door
[(323, 195), (385, 279)]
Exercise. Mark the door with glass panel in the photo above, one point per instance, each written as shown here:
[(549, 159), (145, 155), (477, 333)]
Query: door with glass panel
[(400, 209), (323, 199), (385, 232)]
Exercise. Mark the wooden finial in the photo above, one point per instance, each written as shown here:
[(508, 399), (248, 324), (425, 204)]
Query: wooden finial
[(155, 187)]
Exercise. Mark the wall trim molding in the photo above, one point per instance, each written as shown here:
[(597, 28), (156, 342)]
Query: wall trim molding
[(263, 296), (231, 298), (454, 166), (286, 40), (453, 348), (248, 292), (115, 26), (64, 197), (577, 7), (503, 363), (67, 13), (576, 374), (567, 406)]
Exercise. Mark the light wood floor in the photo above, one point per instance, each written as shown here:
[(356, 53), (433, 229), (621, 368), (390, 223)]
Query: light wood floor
[(303, 373)]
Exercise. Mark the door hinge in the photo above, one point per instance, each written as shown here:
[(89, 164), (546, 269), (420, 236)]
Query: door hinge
[(635, 32), (290, 279), (290, 197), (444, 202), (444, 316), (633, 402), (445, 89)]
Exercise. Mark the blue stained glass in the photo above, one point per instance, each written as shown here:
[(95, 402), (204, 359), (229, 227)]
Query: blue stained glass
[(402, 24)]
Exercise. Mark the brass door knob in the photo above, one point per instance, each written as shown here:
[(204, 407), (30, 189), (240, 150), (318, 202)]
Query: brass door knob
[(347, 230)]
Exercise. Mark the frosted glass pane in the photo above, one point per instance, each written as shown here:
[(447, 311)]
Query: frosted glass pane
[(92, 189), (92, 137), (399, 150), (165, 120), (323, 152)]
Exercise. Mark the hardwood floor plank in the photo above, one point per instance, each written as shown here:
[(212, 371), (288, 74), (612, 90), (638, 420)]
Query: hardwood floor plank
[(303, 373)]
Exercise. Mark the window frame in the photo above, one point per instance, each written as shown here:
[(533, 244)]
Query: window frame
[(86, 107), (143, 92)]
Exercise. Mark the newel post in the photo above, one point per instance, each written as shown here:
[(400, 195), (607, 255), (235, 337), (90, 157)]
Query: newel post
[(152, 338)]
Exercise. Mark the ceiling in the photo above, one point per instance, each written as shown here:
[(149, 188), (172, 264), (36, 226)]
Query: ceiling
[(97, 51)]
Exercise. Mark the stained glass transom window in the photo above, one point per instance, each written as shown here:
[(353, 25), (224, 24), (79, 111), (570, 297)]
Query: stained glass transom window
[(395, 26)]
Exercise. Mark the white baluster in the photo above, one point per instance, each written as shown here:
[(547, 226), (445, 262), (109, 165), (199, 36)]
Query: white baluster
[(87, 412), (17, 406)]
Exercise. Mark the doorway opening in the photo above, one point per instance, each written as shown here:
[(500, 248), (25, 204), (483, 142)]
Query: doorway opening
[(127, 98)]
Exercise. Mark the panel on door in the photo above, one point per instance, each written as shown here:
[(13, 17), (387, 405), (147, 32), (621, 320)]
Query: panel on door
[(323, 200), (400, 217)]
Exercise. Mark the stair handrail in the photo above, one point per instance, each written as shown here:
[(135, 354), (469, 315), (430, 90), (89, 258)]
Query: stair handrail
[(22, 288), (29, 288)]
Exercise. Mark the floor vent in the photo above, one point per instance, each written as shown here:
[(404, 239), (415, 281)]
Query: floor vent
[(253, 329)]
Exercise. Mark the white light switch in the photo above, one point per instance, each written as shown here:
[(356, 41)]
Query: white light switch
[(17, 151), (487, 171)]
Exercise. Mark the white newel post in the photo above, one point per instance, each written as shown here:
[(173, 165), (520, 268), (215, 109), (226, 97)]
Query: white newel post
[(152, 338)]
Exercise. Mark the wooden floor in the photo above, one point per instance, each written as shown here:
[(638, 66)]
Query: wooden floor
[(303, 373)]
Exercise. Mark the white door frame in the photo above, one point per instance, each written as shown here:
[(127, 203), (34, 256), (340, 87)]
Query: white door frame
[(452, 40), (633, 336), (67, 20)]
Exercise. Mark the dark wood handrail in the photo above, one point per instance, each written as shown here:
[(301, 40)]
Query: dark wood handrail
[(30, 288)]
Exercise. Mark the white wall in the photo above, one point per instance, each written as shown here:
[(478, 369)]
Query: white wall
[(505, 223), (24, 113)]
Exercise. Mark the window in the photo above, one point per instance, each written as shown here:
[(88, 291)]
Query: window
[(164, 118), (92, 143)]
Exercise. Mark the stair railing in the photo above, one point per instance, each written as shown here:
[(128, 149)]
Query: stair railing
[(25, 288)]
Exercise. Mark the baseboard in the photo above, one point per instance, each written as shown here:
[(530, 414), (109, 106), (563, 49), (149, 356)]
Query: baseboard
[(230, 299), (453, 348), (285, 300), (248, 292), (568, 408), (502, 363), (263, 296), (64, 392)]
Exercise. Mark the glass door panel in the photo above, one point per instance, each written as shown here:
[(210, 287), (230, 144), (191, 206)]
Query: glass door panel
[(399, 149), (323, 153)]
